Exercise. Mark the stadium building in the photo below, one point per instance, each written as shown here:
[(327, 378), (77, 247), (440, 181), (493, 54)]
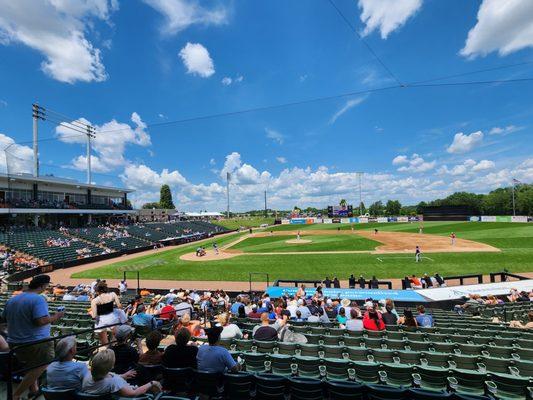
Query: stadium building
[(53, 201)]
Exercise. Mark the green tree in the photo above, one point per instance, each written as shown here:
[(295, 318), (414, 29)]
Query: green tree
[(420, 207), (362, 209), (376, 208), (165, 198), (471, 200), (498, 202), (524, 199), (343, 203), (149, 206), (393, 207)]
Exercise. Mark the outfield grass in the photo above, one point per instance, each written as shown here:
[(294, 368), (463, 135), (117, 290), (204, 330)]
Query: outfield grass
[(236, 223), (515, 241), (273, 244)]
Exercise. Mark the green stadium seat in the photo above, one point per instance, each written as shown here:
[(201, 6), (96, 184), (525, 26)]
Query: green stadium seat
[(345, 390), (467, 382), (270, 387), (305, 388), (238, 385)]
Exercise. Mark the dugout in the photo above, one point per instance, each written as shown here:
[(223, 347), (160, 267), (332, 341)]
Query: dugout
[(447, 213)]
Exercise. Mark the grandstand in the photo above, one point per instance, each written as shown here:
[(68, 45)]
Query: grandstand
[(459, 357)]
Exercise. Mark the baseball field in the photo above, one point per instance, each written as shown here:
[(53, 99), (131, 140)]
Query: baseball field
[(338, 250)]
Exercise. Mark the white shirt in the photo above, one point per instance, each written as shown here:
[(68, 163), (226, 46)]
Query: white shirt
[(231, 331)]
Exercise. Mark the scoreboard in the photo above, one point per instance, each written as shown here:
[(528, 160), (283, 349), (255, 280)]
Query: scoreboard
[(340, 211)]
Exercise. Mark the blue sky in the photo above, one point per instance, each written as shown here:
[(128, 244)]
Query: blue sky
[(128, 66)]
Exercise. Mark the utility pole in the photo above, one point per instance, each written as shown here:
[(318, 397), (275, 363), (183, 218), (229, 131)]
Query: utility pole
[(514, 210), (228, 177), (90, 135), (37, 112), (266, 213)]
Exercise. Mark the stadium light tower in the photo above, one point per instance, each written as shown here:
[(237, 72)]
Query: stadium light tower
[(228, 177), (360, 179), (90, 135)]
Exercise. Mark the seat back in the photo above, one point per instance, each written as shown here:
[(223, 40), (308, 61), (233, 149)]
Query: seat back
[(345, 390), (208, 383), (238, 385), (270, 387), (177, 380), (51, 394), (306, 388)]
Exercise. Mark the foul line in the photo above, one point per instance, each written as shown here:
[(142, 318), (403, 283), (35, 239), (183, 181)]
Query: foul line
[(404, 258)]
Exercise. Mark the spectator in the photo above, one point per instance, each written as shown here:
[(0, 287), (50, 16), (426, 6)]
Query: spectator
[(152, 356), (126, 357), (406, 283), (424, 320), (102, 381), (372, 321), (183, 307), (341, 316), (374, 283), (229, 331), (103, 311), (235, 306), (407, 319), (192, 326), (304, 310), (180, 355), (440, 280), (415, 282), (292, 307), (142, 319), (426, 281), (327, 283), (351, 282), (214, 358), (355, 323), (389, 318), (336, 283), (255, 314), (527, 325), (66, 374), (28, 321), (122, 287), (362, 282), (267, 331), (168, 313)]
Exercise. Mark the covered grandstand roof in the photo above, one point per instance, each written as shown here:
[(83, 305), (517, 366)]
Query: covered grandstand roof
[(201, 214)]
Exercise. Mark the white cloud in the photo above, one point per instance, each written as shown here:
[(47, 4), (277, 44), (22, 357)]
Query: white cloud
[(502, 26), (242, 173), (197, 60), (464, 143), (386, 15), (3, 103), (281, 160), (414, 164), (349, 104), (483, 165), (212, 162), (227, 80), (400, 159), (15, 158), (180, 14), (109, 143), (276, 136), (506, 130), (468, 166), (143, 177), (56, 29)]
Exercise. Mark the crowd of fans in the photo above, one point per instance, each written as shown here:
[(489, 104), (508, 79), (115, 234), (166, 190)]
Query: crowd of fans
[(194, 321)]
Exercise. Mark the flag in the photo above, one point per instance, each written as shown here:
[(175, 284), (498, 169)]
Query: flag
[(516, 182)]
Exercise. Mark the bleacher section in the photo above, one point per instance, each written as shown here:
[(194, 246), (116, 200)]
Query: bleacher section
[(97, 235), (95, 242), (50, 254)]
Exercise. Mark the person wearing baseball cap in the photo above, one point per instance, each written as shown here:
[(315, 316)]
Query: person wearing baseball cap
[(126, 357), (28, 321)]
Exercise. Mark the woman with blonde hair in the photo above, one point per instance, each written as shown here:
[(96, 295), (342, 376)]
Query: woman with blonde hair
[(192, 326), (229, 330), (102, 381)]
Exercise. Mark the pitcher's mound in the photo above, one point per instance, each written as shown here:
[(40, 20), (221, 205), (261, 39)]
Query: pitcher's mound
[(298, 241), (209, 256)]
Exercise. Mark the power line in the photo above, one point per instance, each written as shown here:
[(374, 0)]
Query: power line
[(470, 73), (489, 82), (368, 47)]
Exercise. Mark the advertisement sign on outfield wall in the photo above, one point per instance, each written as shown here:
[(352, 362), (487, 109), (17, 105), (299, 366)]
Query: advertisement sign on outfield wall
[(518, 218), (345, 220), (363, 220), (403, 219), (488, 218), (474, 219), (298, 221), (354, 220), (382, 219), (327, 220), (285, 221), (503, 218)]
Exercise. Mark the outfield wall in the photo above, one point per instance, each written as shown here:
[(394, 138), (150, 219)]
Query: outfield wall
[(364, 220)]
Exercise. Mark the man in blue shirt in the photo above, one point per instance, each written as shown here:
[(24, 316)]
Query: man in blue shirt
[(424, 320), (235, 306), (66, 374), (28, 321), (214, 358), (143, 319)]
